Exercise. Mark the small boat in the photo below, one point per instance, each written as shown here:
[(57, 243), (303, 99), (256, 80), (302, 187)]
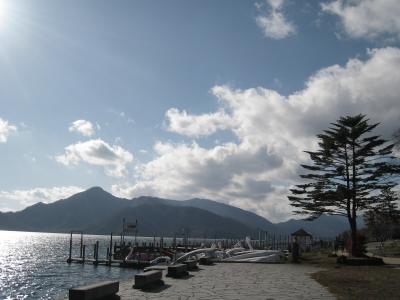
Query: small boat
[(161, 261), (197, 254), (240, 254), (256, 256), (236, 254)]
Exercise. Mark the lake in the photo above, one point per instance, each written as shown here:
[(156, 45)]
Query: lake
[(33, 265)]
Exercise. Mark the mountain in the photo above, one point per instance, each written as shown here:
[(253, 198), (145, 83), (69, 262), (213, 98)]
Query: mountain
[(75, 212), (248, 218), (166, 220), (97, 211), (324, 226)]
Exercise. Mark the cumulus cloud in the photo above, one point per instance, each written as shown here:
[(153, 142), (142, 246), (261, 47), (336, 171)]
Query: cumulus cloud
[(274, 24), (19, 199), (113, 158), (6, 129), (367, 18), (197, 126), (83, 127), (272, 131)]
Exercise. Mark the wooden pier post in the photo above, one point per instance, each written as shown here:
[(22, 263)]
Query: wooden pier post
[(97, 252), (274, 244), (83, 253), (80, 253), (70, 249), (109, 257)]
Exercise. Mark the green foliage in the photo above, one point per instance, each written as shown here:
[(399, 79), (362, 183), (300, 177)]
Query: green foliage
[(383, 221), (348, 169)]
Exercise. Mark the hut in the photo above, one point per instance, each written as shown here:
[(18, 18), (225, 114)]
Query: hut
[(303, 238)]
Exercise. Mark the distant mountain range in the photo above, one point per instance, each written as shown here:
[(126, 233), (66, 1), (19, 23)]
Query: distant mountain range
[(97, 211)]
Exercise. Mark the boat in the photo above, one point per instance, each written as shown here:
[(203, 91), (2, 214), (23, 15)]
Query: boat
[(236, 254), (240, 254), (256, 256), (197, 254), (160, 261)]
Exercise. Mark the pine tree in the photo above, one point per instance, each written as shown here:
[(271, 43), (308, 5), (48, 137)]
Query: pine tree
[(349, 169), (384, 218)]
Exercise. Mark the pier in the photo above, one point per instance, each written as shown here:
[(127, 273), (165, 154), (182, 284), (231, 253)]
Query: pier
[(144, 251), (117, 251)]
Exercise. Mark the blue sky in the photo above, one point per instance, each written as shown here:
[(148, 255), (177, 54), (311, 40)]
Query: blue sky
[(184, 99)]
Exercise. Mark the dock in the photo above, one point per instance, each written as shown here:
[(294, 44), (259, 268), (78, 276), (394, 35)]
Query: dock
[(117, 251)]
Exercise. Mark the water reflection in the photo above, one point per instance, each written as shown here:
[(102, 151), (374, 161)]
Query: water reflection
[(33, 265)]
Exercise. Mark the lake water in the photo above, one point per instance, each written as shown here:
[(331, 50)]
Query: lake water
[(33, 265)]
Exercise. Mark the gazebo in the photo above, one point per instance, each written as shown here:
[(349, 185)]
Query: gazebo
[(303, 238)]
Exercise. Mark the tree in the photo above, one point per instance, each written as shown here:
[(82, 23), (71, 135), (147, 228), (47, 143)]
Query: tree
[(349, 169), (384, 219)]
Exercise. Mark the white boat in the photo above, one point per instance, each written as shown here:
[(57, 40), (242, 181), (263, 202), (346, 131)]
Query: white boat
[(237, 254), (240, 254), (256, 256), (161, 260), (196, 254)]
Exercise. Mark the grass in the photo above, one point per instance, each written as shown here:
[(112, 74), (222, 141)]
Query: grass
[(354, 282), (390, 248)]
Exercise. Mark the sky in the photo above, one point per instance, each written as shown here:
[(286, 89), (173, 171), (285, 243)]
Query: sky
[(184, 99)]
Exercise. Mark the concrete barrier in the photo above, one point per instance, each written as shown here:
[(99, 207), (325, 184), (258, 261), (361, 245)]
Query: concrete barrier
[(205, 260), (94, 291), (191, 264), (177, 270), (146, 279)]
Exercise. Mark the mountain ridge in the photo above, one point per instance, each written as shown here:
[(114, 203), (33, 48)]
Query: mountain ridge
[(97, 211)]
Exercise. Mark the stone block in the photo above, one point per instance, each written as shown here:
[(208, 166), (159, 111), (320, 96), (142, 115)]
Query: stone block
[(94, 291), (191, 264), (145, 279), (177, 270), (205, 260)]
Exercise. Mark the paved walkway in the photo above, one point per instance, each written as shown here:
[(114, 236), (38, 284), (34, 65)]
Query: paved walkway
[(236, 281), (387, 260)]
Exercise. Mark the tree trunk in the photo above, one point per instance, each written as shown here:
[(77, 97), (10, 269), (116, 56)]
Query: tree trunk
[(355, 249)]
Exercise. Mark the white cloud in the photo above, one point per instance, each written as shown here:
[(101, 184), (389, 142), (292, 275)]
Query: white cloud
[(19, 199), (275, 4), (367, 18), (196, 126), (83, 127), (272, 131), (6, 130), (274, 23), (113, 158)]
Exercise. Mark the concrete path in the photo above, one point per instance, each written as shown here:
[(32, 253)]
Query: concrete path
[(387, 260), (237, 281)]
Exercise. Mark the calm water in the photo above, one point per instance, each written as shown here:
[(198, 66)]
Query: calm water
[(33, 265)]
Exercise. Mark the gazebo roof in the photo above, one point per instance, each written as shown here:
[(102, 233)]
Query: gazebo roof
[(301, 232)]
